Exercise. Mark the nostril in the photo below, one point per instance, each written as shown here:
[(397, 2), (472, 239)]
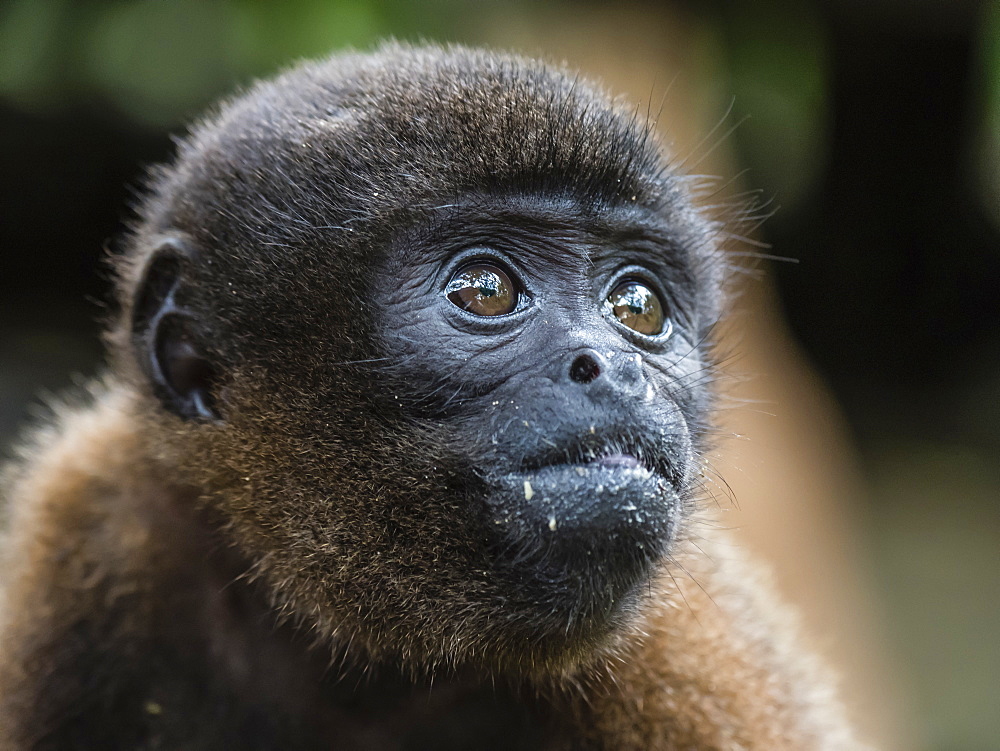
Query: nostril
[(584, 369)]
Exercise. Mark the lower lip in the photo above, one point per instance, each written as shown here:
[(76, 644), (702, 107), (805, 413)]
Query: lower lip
[(597, 478), (608, 474), (604, 495)]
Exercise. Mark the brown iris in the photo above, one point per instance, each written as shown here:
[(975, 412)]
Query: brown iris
[(637, 306), (483, 289)]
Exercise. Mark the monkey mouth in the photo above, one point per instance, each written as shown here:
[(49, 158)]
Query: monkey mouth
[(568, 499), (590, 455)]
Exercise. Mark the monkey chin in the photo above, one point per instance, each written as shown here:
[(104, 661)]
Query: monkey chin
[(575, 543)]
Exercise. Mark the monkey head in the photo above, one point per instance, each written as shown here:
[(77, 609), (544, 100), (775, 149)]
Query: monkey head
[(426, 330)]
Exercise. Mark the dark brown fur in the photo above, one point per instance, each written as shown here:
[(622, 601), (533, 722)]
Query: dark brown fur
[(298, 574)]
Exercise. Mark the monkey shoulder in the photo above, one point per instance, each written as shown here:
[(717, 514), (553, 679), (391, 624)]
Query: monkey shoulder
[(126, 624), (86, 568), (714, 660)]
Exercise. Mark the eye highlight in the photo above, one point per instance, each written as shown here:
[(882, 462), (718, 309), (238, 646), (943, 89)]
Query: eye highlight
[(483, 289), (637, 306)]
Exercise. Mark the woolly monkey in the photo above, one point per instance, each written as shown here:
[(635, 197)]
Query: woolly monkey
[(400, 445)]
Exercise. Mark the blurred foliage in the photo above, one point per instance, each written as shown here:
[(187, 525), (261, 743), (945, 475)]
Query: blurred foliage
[(988, 154), (160, 61), (778, 73)]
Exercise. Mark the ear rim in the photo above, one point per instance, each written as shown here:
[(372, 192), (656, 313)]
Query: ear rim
[(155, 314)]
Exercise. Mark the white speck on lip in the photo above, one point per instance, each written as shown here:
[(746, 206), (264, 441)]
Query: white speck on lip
[(581, 471), (528, 492), (552, 523)]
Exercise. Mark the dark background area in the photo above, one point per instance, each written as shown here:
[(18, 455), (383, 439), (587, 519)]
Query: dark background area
[(873, 130)]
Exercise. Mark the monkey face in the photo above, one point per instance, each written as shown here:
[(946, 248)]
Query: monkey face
[(555, 348), (428, 333)]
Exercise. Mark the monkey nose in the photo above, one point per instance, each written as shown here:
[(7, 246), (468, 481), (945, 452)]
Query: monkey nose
[(587, 367), (618, 371)]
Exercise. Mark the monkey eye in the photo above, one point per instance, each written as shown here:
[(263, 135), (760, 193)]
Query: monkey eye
[(637, 306), (483, 289)]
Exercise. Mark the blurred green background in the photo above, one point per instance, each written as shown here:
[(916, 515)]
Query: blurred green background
[(870, 128)]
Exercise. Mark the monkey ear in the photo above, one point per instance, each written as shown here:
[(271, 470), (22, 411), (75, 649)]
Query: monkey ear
[(165, 336)]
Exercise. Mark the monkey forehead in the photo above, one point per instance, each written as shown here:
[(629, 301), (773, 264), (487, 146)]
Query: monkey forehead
[(355, 136)]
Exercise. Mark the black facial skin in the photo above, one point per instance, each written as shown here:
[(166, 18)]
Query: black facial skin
[(574, 434)]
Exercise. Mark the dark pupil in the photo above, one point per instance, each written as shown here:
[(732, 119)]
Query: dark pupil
[(638, 307), (482, 289)]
